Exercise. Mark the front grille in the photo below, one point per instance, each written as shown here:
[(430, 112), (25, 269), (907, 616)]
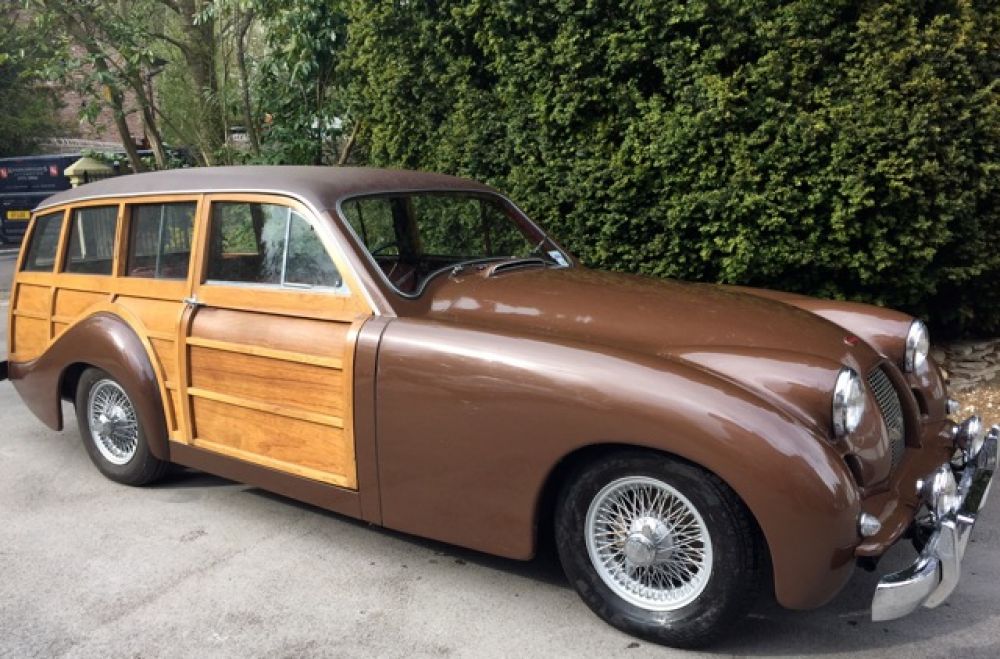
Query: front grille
[(892, 412)]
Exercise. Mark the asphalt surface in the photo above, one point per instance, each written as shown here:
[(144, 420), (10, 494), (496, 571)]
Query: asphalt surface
[(7, 257), (200, 566)]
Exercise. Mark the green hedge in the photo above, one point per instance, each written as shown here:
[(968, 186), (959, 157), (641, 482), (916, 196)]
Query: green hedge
[(841, 149)]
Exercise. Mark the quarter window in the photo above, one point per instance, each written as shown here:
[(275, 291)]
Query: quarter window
[(41, 254), (92, 240), (267, 244), (160, 240)]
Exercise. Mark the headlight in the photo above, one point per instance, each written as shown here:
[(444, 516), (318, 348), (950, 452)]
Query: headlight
[(918, 344), (848, 402), (940, 491)]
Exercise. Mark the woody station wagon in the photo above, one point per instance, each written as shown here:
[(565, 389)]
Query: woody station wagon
[(411, 350)]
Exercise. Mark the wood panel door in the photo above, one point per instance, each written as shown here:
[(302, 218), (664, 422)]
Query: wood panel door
[(269, 341)]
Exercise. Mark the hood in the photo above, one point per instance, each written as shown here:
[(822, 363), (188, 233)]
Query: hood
[(653, 316), (786, 355)]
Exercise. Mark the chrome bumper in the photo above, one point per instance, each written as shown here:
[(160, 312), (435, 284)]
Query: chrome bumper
[(934, 575)]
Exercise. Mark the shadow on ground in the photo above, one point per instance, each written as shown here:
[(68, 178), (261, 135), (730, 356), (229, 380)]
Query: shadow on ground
[(842, 626)]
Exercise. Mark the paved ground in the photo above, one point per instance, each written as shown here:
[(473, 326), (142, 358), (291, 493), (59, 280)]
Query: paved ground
[(199, 566), (7, 257)]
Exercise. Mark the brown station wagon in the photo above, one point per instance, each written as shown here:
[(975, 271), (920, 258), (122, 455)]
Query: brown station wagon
[(411, 350)]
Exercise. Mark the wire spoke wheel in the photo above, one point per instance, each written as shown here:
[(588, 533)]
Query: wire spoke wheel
[(114, 427), (648, 543)]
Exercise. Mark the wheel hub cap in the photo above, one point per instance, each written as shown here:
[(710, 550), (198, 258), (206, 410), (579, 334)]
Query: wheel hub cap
[(114, 427), (648, 543)]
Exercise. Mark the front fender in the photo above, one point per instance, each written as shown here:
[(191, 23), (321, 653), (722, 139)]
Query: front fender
[(471, 424), (109, 343)]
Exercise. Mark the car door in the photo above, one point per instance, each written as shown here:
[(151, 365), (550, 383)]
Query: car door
[(266, 373)]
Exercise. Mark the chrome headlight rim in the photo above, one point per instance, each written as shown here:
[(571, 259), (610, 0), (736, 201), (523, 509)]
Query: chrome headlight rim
[(848, 402), (918, 346)]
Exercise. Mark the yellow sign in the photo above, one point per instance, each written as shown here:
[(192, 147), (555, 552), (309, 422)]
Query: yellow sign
[(18, 215)]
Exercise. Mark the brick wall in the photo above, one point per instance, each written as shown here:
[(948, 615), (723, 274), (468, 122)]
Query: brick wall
[(103, 130)]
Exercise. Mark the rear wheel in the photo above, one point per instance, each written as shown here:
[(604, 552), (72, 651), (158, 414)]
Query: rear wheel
[(659, 548), (113, 432)]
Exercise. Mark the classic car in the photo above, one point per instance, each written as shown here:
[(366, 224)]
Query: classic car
[(411, 350)]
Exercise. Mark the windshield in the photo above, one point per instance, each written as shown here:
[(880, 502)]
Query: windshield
[(414, 237)]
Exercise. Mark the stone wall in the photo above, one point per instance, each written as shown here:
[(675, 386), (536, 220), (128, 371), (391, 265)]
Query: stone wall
[(969, 363)]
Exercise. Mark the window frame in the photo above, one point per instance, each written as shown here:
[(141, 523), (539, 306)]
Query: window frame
[(29, 239), (67, 233), (376, 271), (282, 283), (323, 303), (127, 237)]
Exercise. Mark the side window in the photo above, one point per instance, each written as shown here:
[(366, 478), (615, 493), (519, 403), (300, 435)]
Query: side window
[(92, 240), (308, 263), (160, 240), (253, 243), (41, 254)]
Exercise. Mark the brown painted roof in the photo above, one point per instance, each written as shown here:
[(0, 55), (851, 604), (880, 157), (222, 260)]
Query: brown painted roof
[(321, 187)]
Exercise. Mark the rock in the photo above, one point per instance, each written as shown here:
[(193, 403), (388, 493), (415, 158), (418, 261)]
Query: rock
[(960, 349)]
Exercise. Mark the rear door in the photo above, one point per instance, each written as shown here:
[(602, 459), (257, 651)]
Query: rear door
[(266, 373)]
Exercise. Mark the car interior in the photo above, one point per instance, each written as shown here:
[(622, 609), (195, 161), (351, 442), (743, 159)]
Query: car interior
[(412, 237)]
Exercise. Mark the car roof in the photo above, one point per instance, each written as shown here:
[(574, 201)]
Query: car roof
[(320, 187)]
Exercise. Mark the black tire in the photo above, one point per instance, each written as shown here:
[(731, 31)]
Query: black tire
[(738, 566), (143, 467)]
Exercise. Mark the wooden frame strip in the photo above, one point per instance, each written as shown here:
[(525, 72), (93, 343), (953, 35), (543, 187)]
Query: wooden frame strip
[(268, 408), (279, 465), (267, 353), (31, 314)]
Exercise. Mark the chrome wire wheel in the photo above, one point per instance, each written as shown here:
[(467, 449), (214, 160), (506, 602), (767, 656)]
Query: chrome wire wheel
[(114, 427), (648, 543)]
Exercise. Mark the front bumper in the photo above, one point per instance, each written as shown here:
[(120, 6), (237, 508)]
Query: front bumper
[(934, 575)]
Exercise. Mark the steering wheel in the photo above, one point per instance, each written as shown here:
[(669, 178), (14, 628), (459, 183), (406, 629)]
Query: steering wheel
[(384, 246)]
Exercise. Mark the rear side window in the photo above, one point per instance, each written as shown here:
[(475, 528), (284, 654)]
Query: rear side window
[(267, 244), (41, 254), (92, 240), (159, 243)]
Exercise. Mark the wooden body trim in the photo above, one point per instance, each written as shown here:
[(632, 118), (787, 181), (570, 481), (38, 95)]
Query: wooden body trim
[(158, 312), (271, 353)]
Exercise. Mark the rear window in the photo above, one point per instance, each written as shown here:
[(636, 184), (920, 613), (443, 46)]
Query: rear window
[(92, 240), (160, 240), (41, 254)]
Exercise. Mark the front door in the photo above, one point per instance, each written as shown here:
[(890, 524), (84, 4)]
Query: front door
[(266, 373)]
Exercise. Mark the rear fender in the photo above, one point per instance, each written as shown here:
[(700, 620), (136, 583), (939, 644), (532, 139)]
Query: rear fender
[(105, 341)]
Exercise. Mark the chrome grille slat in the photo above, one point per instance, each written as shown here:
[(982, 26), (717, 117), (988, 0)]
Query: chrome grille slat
[(892, 412)]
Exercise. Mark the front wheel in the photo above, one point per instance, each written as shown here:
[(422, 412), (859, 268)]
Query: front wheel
[(659, 548), (113, 432)]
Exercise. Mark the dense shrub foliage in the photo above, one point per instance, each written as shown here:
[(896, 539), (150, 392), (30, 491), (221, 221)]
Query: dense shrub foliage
[(837, 148)]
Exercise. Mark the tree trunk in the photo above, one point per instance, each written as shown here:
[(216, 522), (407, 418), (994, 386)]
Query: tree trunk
[(200, 59), (250, 123), (345, 153), (149, 123), (118, 110)]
